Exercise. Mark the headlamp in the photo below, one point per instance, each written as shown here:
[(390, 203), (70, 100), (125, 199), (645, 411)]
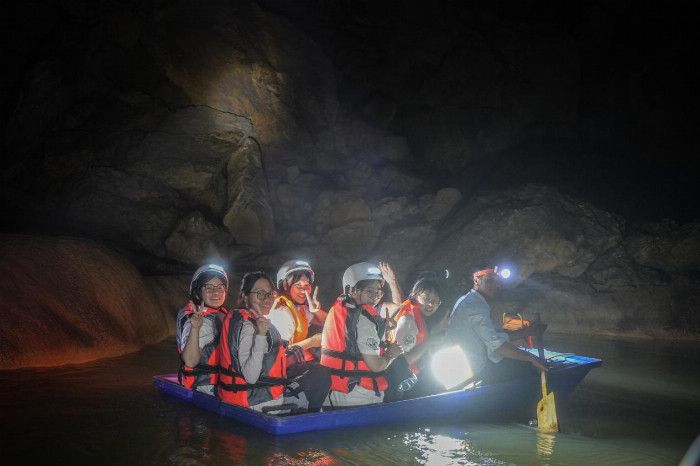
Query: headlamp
[(503, 273)]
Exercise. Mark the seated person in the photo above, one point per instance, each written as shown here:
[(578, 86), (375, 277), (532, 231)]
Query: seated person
[(492, 357), (198, 328), (414, 335), (351, 340), (298, 318), (253, 364)]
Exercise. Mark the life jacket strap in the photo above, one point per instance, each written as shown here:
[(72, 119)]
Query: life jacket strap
[(263, 381), (199, 369)]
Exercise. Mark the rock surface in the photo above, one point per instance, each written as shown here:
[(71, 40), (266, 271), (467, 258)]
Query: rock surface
[(184, 132), (71, 301)]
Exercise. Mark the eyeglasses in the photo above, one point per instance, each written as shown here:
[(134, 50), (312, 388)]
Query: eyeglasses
[(376, 293), (263, 295), (302, 286), (429, 302), (213, 288)]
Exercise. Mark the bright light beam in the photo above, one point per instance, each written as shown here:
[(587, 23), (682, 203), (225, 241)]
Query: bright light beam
[(451, 367)]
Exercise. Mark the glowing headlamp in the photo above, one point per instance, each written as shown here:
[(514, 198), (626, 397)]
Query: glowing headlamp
[(503, 273)]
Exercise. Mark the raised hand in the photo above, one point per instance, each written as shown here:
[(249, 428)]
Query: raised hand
[(389, 323), (314, 304), (263, 325), (196, 318), (387, 272)]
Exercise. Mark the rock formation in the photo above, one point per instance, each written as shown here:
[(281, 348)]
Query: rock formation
[(181, 132)]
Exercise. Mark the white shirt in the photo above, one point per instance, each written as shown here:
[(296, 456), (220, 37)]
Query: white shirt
[(406, 331), (367, 338)]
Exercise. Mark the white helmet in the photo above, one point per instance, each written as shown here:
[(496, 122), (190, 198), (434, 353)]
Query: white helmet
[(361, 271), (292, 266), (195, 284)]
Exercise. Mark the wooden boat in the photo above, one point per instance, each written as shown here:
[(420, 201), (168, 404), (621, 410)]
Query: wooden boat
[(566, 372)]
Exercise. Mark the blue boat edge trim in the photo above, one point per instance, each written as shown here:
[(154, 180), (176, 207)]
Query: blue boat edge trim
[(568, 370)]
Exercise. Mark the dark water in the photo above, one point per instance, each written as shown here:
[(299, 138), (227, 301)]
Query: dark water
[(641, 408)]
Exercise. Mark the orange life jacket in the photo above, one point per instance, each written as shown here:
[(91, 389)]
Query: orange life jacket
[(406, 307), (232, 387), (301, 325), (516, 322), (206, 372), (340, 351)]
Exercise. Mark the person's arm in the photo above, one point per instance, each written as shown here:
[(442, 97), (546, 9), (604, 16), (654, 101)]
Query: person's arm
[(510, 351), (191, 352), (368, 344), (388, 310), (390, 278), (251, 349), (320, 317), (313, 341), (378, 363)]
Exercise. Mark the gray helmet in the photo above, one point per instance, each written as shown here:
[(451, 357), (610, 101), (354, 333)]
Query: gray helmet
[(360, 271), (195, 284), (292, 266)]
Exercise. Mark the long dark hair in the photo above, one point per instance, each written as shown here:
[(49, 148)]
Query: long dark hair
[(247, 283), (424, 285)]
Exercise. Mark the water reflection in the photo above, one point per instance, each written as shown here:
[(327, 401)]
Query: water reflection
[(545, 446), (640, 408)]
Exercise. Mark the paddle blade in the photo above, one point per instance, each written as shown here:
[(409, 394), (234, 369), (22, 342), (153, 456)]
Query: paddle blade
[(547, 414)]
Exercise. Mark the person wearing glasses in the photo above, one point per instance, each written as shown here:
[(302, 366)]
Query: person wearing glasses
[(297, 313), (255, 366), (413, 333), (351, 340), (199, 326)]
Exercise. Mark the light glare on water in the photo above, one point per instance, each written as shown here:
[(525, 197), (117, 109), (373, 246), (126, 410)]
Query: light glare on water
[(641, 407)]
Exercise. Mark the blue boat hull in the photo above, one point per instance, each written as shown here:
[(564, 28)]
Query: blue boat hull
[(567, 372)]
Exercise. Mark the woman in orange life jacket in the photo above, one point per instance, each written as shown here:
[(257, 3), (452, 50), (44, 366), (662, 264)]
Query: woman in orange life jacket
[(413, 333), (254, 362), (351, 340), (297, 314), (199, 326)]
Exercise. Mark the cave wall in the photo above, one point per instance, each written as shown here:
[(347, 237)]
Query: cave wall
[(441, 136)]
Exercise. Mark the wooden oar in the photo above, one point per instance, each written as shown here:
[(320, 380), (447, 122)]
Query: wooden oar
[(546, 409)]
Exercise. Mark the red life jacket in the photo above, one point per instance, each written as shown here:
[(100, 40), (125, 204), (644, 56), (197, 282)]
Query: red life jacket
[(206, 372), (232, 387), (406, 307), (340, 351)]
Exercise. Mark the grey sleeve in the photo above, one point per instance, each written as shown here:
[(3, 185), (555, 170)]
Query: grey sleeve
[(251, 350)]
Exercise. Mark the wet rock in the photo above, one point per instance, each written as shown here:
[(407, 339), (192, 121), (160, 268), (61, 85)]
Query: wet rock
[(250, 217), (126, 209), (436, 207), (666, 245), (534, 228), (195, 239), (71, 301)]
